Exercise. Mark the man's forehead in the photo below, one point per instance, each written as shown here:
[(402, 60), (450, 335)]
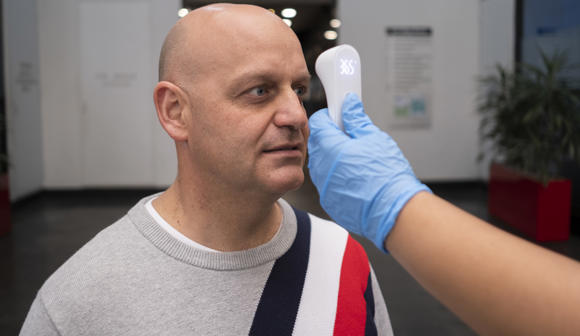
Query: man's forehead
[(268, 61)]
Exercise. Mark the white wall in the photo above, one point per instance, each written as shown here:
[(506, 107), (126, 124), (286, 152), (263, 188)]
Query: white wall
[(497, 46), (468, 35), (22, 96), (99, 128), (60, 103)]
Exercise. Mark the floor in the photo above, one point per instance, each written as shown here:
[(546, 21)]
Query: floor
[(50, 226)]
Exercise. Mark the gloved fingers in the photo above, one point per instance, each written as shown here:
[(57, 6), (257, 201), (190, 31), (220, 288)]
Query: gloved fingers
[(323, 130), (356, 123), (324, 145), (320, 120)]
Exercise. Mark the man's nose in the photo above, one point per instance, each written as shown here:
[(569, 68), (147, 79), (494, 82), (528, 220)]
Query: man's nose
[(290, 111)]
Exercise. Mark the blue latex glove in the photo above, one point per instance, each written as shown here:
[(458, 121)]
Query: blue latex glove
[(363, 178)]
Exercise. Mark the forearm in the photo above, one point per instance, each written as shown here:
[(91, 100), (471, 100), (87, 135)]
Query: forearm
[(495, 282)]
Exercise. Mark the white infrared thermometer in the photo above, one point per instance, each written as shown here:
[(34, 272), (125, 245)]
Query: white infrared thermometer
[(339, 71)]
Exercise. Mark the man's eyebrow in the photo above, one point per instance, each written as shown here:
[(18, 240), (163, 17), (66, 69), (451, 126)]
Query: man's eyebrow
[(267, 76), (306, 77)]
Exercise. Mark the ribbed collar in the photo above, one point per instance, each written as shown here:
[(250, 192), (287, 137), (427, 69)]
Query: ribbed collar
[(225, 261)]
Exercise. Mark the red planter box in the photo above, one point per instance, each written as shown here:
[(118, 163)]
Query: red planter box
[(541, 212), (4, 206)]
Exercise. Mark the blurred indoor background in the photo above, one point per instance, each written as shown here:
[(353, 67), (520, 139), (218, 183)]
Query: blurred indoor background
[(83, 143)]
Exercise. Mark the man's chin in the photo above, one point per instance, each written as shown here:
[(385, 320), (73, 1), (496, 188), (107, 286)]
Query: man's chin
[(286, 183)]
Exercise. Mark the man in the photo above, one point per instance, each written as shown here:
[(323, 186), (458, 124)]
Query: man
[(219, 253)]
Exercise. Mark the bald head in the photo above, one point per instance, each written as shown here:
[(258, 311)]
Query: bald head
[(209, 32)]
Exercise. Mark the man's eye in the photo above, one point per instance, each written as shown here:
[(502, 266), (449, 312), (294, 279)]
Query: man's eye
[(258, 91), (300, 91)]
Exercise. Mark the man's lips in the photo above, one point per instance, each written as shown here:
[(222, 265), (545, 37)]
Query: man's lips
[(284, 147)]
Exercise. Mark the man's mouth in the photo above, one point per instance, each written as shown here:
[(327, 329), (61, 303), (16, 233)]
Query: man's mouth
[(281, 148)]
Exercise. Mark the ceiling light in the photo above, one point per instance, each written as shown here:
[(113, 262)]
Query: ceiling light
[(330, 35), (182, 12), (288, 22), (335, 23), (288, 13)]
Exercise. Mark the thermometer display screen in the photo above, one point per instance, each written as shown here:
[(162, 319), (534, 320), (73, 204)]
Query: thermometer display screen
[(347, 66)]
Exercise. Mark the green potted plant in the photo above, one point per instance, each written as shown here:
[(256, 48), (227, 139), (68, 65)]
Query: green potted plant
[(531, 117), (4, 192)]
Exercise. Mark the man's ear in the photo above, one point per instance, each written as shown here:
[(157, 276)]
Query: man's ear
[(171, 104)]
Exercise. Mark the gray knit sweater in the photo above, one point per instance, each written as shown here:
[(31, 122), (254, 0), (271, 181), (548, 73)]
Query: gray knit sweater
[(134, 278)]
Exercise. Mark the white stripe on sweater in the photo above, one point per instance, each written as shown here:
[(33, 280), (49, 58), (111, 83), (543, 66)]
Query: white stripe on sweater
[(317, 310)]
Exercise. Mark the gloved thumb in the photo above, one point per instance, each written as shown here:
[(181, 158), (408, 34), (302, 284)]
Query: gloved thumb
[(356, 123)]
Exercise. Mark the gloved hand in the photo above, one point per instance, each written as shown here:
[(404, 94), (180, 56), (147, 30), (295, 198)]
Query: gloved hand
[(363, 178)]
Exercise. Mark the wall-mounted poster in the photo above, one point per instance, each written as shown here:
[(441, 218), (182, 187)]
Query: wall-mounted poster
[(409, 75)]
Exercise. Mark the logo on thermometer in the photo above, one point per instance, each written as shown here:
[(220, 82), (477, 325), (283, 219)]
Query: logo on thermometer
[(347, 66)]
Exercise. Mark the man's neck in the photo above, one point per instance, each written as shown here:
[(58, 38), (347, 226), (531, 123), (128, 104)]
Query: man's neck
[(222, 221)]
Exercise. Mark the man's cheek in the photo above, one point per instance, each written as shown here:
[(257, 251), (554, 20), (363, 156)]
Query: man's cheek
[(306, 132)]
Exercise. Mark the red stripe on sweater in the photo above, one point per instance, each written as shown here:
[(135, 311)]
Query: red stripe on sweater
[(351, 307)]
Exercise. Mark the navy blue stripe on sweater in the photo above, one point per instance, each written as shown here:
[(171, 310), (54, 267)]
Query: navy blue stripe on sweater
[(370, 327), (278, 307)]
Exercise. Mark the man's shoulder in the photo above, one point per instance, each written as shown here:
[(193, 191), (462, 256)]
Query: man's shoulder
[(326, 224), (327, 236), (334, 233), (85, 267)]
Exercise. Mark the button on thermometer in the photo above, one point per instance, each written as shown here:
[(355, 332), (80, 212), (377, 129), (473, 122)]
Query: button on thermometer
[(339, 71)]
